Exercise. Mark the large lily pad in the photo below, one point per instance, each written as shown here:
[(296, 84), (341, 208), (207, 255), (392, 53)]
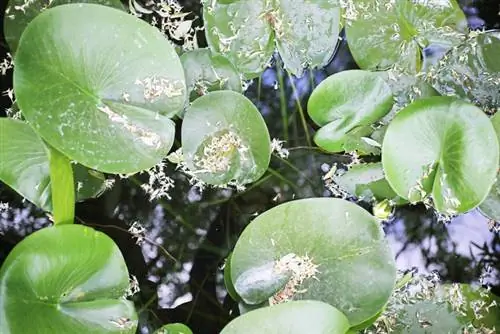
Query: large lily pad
[(442, 147), (382, 34), (296, 317), (206, 72), (471, 71), (71, 278), (24, 166), (346, 105), (21, 12), (101, 90), (245, 31), (348, 263), (225, 139), (490, 207)]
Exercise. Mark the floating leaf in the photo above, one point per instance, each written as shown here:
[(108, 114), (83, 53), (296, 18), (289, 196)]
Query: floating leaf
[(348, 103), (382, 34), (101, 90), (334, 251), (225, 139), (227, 280), (71, 278), (367, 182), (297, 317), (24, 166), (239, 32), (442, 147), (206, 72), (471, 71), (490, 207), (21, 12), (174, 329)]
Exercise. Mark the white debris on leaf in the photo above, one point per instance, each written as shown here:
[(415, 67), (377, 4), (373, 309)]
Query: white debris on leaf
[(138, 231), (109, 183), (331, 185), (301, 267), (277, 146), (133, 287), (156, 87), (159, 184)]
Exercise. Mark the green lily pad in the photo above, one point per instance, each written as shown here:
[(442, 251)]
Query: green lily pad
[(490, 207), (471, 71), (306, 32), (382, 34), (24, 166), (245, 31), (239, 32), (66, 289), (367, 182), (346, 105), (206, 73), (297, 317), (228, 282), (101, 90), (225, 139), (19, 13), (344, 259), (436, 147), (174, 329)]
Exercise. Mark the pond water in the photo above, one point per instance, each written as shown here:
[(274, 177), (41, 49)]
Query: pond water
[(179, 263)]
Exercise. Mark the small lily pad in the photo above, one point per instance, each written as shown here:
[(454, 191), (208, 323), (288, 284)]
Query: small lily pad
[(297, 317), (490, 207), (206, 72), (225, 139), (382, 34), (67, 290), (436, 147), (174, 329), (334, 251), (346, 105), (100, 91)]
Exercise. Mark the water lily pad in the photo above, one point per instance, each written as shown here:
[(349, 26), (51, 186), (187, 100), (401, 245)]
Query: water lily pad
[(174, 329), (21, 12), (490, 207), (367, 182), (24, 166), (206, 72), (67, 290), (225, 139), (471, 71), (101, 90), (436, 146), (346, 105), (382, 34), (239, 32), (306, 32), (296, 317), (340, 247)]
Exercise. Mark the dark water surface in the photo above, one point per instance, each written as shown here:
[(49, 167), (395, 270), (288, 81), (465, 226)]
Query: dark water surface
[(199, 230)]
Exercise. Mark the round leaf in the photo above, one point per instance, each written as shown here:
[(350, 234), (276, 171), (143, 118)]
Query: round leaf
[(206, 72), (295, 317), (306, 32), (441, 147), (101, 90), (490, 207), (355, 268), (174, 329), (472, 71), (240, 32), (24, 166), (21, 12), (225, 139), (382, 34), (345, 103), (72, 280)]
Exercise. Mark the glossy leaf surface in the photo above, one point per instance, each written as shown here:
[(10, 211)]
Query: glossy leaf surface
[(19, 13), (355, 267), (101, 90), (174, 329), (295, 317), (436, 146), (225, 139), (382, 34), (490, 207), (62, 185), (72, 280), (346, 105)]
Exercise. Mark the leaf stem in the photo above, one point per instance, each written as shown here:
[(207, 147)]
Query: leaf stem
[(62, 187), (301, 111)]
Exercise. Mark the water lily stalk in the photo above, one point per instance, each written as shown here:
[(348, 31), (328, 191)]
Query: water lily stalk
[(301, 110), (63, 188), (283, 103)]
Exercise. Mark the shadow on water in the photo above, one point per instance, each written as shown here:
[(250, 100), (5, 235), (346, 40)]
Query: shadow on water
[(179, 264)]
